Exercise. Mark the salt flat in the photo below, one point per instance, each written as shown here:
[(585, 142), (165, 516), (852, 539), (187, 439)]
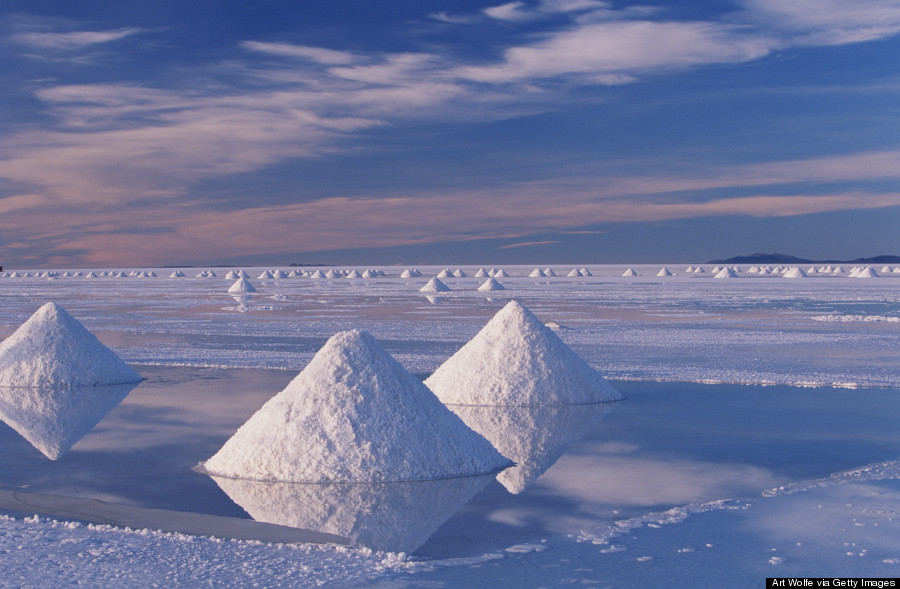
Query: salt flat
[(716, 483)]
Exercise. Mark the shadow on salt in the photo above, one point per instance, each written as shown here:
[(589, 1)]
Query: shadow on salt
[(54, 419), (393, 517)]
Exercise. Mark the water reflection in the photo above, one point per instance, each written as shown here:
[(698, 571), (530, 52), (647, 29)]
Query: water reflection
[(433, 299), (395, 517), (534, 437), (53, 420)]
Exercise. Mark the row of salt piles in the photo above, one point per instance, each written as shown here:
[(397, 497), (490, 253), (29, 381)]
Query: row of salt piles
[(354, 414)]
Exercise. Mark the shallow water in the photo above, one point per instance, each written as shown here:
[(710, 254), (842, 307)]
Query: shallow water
[(666, 445)]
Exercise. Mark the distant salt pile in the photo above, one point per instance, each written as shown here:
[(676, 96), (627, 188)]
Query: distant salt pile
[(664, 272), (481, 273), (630, 272), (726, 273), (585, 272), (716, 270), (548, 272), (331, 274), (354, 414), (491, 284), (866, 272), (459, 273), (445, 273), (435, 285), (53, 349), (501, 273), (573, 273), (517, 360), (242, 285), (354, 274), (699, 270), (318, 274), (537, 273), (406, 274), (265, 275), (370, 274), (232, 275), (177, 274), (795, 273)]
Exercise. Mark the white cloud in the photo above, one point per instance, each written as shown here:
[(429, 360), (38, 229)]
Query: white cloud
[(623, 48), (72, 40), (827, 22), (314, 54), (512, 11)]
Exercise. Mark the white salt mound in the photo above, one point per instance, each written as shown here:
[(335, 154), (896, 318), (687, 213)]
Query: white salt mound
[(491, 284), (242, 285), (795, 273), (53, 349), (517, 360), (629, 273), (354, 415), (726, 273), (664, 272), (435, 285)]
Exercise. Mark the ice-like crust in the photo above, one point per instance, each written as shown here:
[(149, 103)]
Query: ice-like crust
[(517, 360), (52, 349), (354, 415)]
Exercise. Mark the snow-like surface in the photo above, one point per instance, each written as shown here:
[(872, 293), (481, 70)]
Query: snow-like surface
[(516, 360), (795, 273), (52, 349), (725, 273), (354, 415)]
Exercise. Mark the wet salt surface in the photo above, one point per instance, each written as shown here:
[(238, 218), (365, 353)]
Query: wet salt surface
[(667, 445)]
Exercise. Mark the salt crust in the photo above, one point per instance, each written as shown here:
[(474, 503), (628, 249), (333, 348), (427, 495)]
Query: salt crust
[(517, 360), (354, 414), (52, 349)]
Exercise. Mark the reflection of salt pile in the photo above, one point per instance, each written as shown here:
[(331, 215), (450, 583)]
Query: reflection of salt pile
[(54, 375), (396, 517), (533, 437), (52, 349), (517, 360), (53, 420), (354, 415)]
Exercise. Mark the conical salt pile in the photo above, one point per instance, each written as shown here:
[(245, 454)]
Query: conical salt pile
[(726, 273), (630, 272), (795, 273), (435, 285), (517, 360), (354, 415), (664, 272), (52, 349), (491, 284), (241, 285)]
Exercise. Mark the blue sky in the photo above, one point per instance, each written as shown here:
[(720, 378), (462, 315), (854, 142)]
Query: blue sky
[(151, 133)]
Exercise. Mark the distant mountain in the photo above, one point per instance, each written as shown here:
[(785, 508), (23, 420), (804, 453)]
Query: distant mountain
[(776, 258)]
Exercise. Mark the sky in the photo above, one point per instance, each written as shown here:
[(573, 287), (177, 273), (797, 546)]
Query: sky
[(207, 132)]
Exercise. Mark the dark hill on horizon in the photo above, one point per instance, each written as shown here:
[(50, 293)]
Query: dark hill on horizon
[(776, 258)]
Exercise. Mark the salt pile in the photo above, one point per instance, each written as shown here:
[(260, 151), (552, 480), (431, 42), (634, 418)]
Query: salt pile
[(501, 273), (354, 415), (795, 273), (573, 273), (53, 349), (537, 273), (491, 284), (866, 272), (726, 273), (664, 272), (585, 272), (241, 285), (629, 273), (395, 517), (481, 273), (435, 285), (517, 360), (445, 273)]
